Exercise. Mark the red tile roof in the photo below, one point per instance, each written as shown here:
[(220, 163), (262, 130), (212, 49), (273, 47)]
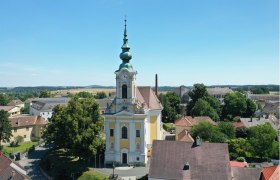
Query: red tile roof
[(185, 136), (237, 164), (238, 124), (15, 102), (10, 169), (191, 121), (207, 161), (6, 108), (241, 173), (26, 120), (146, 95), (270, 173)]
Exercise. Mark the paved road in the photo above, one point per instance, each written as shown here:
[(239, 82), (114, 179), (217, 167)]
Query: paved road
[(127, 171), (31, 162)]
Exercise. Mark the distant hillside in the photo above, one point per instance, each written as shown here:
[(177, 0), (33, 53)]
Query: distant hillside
[(37, 89)]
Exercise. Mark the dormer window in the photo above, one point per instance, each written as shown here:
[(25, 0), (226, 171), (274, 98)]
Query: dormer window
[(124, 91)]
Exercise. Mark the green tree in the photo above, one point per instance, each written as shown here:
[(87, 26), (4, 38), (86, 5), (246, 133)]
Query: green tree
[(214, 103), (84, 94), (234, 105), (5, 127), (275, 150), (208, 132), (100, 95), (25, 110), (45, 94), (251, 108), (170, 111), (203, 108), (4, 99), (199, 91), (76, 127), (261, 138), (228, 129), (239, 146), (174, 101)]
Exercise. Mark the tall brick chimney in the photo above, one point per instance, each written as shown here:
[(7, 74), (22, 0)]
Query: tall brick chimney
[(156, 87)]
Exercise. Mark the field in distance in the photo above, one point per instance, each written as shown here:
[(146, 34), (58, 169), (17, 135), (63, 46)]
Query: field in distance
[(93, 91)]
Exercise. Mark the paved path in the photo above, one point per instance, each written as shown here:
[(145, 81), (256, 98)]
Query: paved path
[(127, 172), (136, 171), (31, 162)]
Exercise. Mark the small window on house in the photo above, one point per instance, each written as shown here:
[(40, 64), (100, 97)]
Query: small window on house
[(24, 136), (111, 132), (137, 133), (27, 129)]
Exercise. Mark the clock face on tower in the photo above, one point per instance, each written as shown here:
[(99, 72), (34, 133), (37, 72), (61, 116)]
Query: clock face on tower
[(124, 76)]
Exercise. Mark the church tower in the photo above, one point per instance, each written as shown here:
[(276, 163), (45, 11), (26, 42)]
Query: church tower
[(125, 79), (133, 119)]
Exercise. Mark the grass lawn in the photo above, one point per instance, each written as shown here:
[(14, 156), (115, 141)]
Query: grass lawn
[(91, 174), (168, 126), (61, 165), (23, 147)]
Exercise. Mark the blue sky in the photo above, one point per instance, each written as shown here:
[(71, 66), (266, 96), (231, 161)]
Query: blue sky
[(185, 41)]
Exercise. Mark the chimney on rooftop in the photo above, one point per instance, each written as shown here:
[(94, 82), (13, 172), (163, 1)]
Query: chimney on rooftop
[(186, 166), (197, 141), (13, 174), (156, 86)]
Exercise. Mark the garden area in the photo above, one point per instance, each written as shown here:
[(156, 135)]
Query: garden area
[(61, 164), (21, 147)]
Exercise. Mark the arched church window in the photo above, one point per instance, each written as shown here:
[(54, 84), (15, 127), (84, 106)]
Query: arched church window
[(124, 132), (124, 91)]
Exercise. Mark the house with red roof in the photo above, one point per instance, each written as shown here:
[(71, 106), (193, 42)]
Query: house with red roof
[(270, 173), (11, 170), (185, 123)]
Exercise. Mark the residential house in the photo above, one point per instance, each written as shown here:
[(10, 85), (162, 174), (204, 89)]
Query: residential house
[(251, 122), (27, 126), (12, 110), (237, 164), (271, 173), (271, 108), (10, 170), (185, 123), (17, 103), (263, 97), (103, 104), (187, 160), (44, 106), (241, 173), (184, 136), (219, 92)]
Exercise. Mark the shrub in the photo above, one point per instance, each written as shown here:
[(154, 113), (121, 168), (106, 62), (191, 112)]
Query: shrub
[(236, 119), (12, 144), (167, 126), (240, 159), (19, 140), (233, 156)]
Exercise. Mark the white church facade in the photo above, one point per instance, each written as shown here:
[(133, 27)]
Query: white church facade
[(133, 119)]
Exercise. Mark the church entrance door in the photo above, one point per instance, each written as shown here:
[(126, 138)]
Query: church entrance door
[(124, 158)]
